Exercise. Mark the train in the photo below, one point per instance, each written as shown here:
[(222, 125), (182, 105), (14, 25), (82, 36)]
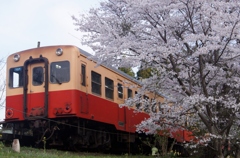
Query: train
[(60, 95)]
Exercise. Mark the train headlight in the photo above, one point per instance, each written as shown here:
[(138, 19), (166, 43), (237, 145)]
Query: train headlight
[(16, 57), (59, 51)]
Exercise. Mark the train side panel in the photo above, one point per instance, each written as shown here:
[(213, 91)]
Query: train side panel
[(99, 107)]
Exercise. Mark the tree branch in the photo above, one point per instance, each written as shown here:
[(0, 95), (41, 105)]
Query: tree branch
[(179, 80)]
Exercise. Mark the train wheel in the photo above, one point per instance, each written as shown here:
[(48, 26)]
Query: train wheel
[(75, 144)]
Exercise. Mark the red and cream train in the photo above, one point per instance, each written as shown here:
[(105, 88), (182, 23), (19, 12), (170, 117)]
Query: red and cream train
[(57, 92)]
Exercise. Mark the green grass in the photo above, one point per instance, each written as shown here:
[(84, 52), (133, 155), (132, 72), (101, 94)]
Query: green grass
[(27, 152)]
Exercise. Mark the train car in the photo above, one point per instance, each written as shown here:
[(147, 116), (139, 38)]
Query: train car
[(60, 95)]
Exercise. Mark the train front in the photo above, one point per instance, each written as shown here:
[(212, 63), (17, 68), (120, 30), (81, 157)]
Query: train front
[(38, 88)]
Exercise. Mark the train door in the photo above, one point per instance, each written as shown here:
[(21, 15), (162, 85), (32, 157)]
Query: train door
[(122, 110), (84, 92), (35, 88)]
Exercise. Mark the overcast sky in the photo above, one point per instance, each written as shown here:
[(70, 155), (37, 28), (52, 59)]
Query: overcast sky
[(25, 22)]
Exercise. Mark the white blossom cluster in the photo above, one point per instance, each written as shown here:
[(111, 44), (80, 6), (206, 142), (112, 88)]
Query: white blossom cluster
[(193, 48)]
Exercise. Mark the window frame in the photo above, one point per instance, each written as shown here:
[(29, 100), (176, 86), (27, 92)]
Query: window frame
[(120, 90), (138, 105), (130, 91), (42, 77), (96, 83), (147, 104), (83, 75), (109, 88), (54, 79), (11, 77)]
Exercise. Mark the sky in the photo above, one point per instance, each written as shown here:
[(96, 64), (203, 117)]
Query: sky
[(25, 22)]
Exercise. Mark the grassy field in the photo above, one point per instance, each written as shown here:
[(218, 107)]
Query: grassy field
[(27, 152)]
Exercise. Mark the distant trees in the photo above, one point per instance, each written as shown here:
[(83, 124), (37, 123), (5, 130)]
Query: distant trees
[(127, 70), (144, 73), (193, 47), (141, 73)]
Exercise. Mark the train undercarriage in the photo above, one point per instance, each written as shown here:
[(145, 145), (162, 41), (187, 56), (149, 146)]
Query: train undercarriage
[(77, 135), (70, 134)]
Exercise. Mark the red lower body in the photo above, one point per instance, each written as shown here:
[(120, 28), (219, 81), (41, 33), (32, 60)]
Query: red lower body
[(74, 103)]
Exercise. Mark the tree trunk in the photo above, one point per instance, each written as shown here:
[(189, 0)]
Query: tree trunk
[(218, 147), (237, 155)]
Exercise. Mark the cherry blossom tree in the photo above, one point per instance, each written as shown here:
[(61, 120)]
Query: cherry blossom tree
[(193, 48)]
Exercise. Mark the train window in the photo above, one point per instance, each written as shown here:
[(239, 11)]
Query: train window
[(60, 72), (160, 108), (109, 88), (138, 104), (154, 106), (130, 93), (83, 73), (16, 77), (96, 83), (37, 78), (147, 105), (146, 98), (120, 91)]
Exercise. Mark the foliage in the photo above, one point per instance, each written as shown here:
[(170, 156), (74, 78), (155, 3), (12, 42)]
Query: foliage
[(144, 73), (161, 142), (127, 70), (26, 152), (193, 47), (1, 146)]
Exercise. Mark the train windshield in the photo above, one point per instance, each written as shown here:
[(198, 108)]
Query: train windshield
[(16, 77), (60, 72)]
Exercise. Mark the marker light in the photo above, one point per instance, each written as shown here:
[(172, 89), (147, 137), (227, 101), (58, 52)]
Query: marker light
[(59, 51), (16, 57)]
